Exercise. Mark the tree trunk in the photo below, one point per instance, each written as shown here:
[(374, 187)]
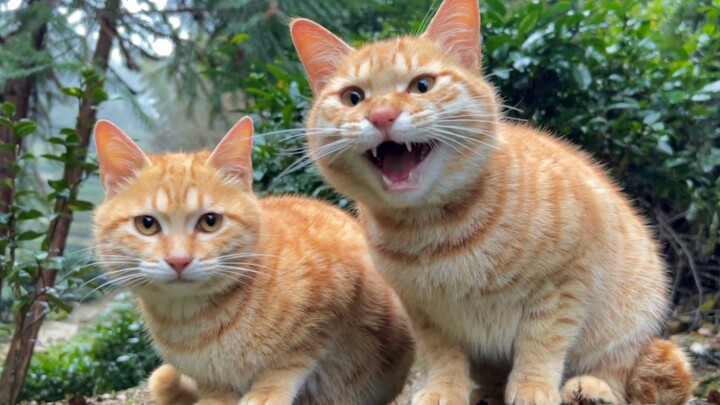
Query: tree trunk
[(30, 319), (18, 92)]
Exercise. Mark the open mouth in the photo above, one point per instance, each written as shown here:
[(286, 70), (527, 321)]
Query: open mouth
[(397, 162)]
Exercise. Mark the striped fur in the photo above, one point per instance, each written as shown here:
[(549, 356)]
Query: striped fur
[(525, 269), (281, 305)]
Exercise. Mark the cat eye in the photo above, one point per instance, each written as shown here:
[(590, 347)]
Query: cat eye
[(421, 84), (352, 96), (147, 225), (209, 222)]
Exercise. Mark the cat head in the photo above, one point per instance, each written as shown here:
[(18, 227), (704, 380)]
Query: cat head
[(401, 122), (178, 223)]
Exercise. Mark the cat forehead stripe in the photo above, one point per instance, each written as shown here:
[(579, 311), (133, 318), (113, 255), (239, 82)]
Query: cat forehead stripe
[(161, 201), (192, 199)]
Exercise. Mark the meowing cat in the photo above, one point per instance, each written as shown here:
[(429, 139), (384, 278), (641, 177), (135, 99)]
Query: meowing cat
[(261, 301), (523, 267)]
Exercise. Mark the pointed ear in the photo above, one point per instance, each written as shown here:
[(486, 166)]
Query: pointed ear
[(119, 157), (233, 155), (456, 27), (319, 50)]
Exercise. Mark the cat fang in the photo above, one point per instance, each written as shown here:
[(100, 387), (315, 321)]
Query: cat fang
[(399, 165)]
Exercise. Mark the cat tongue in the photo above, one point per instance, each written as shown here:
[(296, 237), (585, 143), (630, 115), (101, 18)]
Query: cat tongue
[(397, 163)]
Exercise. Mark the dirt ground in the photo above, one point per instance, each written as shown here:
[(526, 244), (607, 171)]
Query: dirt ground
[(703, 345)]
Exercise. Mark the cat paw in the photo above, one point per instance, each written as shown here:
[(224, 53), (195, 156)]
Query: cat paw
[(441, 395), (264, 398), (587, 390), (228, 398), (531, 393)]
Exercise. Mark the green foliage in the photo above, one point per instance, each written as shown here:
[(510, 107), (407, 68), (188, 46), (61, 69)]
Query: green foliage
[(112, 354), (635, 83), (278, 102), (23, 254)]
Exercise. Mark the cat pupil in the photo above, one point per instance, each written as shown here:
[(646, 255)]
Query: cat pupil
[(355, 97), (210, 219), (423, 85), (148, 222)]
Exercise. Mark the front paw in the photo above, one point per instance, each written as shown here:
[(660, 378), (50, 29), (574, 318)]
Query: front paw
[(441, 395), (265, 397), (531, 393)]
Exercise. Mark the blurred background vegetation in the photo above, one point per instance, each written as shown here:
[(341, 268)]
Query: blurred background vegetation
[(635, 83)]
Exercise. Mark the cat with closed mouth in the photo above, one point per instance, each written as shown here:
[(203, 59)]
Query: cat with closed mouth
[(248, 300)]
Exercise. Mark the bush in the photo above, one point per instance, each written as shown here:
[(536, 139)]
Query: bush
[(636, 84), (113, 354)]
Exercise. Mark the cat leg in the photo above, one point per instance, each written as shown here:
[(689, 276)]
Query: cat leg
[(449, 380), (587, 389), (279, 385), (550, 323), (168, 387), (219, 398)]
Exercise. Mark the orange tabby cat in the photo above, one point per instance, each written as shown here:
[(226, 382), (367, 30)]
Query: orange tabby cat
[(261, 301), (521, 263)]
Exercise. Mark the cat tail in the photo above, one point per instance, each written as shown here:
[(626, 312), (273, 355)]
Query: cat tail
[(662, 375), (168, 387)]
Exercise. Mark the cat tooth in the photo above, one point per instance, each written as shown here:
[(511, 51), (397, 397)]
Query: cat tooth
[(411, 177), (408, 145), (374, 151), (387, 181)]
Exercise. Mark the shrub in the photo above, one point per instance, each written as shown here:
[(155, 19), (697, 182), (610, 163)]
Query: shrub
[(112, 354)]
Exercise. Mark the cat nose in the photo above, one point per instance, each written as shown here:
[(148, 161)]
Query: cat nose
[(383, 117), (178, 262)]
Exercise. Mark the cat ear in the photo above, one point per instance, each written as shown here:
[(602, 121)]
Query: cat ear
[(233, 155), (319, 50), (119, 157), (456, 26)]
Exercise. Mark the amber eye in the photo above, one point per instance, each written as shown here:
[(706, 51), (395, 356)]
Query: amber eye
[(421, 84), (352, 96), (209, 222), (147, 225)]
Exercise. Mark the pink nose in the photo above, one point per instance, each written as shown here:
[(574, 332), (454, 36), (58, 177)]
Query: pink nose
[(178, 262), (383, 117)]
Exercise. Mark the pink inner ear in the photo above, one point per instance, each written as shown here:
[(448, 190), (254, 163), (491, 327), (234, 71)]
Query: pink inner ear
[(233, 155), (456, 26), (319, 50), (119, 157)]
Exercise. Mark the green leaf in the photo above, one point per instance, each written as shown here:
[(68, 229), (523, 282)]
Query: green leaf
[(57, 184), (56, 158), (8, 109), (24, 128), (68, 131), (6, 122), (528, 23), (80, 205), (55, 303), (708, 305), (582, 76), (625, 105), (99, 95), (73, 91), (652, 118), (30, 214), (240, 38), (497, 6), (29, 235), (713, 87)]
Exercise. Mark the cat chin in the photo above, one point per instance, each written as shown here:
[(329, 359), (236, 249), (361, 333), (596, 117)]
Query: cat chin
[(175, 289)]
